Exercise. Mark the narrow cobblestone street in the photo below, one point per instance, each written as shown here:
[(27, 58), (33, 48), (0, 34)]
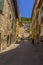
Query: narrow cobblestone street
[(24, 54), (21, 32)]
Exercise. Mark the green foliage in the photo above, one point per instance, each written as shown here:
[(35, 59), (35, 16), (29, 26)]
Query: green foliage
[(28, 31), (1, 4), (25, 19)]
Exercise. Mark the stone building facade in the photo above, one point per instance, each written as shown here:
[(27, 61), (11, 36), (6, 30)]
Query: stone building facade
[(37, 21), (8, 17)]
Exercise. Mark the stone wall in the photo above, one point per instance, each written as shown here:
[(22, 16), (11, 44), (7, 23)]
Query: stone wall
[(7, 27)]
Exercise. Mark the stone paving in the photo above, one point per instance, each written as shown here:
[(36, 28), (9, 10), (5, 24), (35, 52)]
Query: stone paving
[(24, 54)]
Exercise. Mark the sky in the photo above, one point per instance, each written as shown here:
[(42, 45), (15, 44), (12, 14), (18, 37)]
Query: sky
[(25, 7)]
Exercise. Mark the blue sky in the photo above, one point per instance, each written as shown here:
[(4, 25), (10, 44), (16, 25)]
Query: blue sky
[(25, 7)]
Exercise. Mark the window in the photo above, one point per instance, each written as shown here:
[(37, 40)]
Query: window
[(41, 19), (42, 8), (37, 14), (10, 16), (0, 11)]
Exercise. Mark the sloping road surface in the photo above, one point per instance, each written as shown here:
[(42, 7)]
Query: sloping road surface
[(25, 54)]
